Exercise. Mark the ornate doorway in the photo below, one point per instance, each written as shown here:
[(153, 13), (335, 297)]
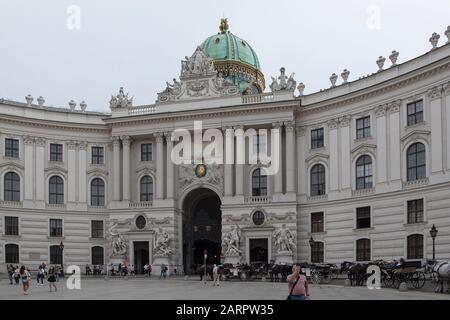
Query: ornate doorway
[(259, 250), (141, 255), (202, 229)]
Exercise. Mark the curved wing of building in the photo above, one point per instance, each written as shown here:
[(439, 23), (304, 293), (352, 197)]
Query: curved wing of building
[(215, 167)]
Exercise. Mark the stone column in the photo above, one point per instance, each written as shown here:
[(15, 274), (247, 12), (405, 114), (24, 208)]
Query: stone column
[(116, 168), (434, 97), (279, 174), (29, 167), (380, 113), (344, 123), (229, 161), (334, 154), (290, 157), (301, 151), (82, 171), (170, 166), (159, 165), (394, 135), (240, 159), (126, 141), (40, 160), (71, 171)]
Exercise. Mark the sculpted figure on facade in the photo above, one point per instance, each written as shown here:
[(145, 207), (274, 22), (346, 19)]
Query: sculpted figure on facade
[(231, 242), (283, 82), (198, 79), (162, 247), (284, 240), (121, 100), (187, 176), (118, 243)]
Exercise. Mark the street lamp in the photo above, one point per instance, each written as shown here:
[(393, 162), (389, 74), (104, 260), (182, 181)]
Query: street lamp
[(311, 244), (61, 247), (433, 234)]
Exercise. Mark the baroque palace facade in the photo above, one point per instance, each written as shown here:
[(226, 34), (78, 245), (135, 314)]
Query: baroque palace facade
[(364, 170)]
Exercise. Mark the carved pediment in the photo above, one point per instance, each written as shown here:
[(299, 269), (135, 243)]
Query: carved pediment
[(317, 157), (97, 171), (55, 168), (10, 165), (415, 135), (213, 176), (145, 170), (364, 147)]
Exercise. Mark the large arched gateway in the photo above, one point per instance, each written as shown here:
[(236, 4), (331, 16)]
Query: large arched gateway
[(202, 229)]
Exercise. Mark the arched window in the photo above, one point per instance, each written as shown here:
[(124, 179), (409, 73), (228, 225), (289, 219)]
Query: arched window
[(12, 187), (97, 192), (259, 183), (415, 246), (363, 250), (364, 179), (317, 252), (146, 188), (56, 255), (11, 253), (416, 162), (318, 180), (97, 254), (56, 190)]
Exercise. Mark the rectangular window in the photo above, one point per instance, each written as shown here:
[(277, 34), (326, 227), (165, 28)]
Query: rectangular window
[(97, 156), (56, 228), (363, 127), (96, 229), (363, 217), (415, 112), (11, 226), (317, 222), (363, 250), (56, 152), (12, 148), (146, 152), (415, 211), (317, 138), (259, 144)]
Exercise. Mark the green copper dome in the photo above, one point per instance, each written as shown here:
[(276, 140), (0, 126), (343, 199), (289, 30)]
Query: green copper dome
[(235, 60)]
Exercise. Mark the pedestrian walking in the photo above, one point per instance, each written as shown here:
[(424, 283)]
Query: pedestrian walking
[(216, 275), (52, 279), (163, 271), (17, 275), (298, 284), (25, 277), (41, 275), (10, 270)]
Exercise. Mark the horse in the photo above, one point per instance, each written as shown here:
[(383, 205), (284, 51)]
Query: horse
[(357, 273), (440, 272)]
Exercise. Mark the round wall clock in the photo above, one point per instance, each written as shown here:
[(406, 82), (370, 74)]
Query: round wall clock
[(200, 170)]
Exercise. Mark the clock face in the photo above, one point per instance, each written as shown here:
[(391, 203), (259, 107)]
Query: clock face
[(200, 170)]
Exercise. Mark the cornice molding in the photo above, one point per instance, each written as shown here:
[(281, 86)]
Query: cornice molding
[(376, 90)]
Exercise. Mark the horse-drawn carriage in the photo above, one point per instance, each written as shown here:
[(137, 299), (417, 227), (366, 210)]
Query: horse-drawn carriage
[(410, 272), (321, 272)]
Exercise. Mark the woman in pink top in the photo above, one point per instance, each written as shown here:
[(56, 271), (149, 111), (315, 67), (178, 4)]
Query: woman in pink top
[(298, 285)]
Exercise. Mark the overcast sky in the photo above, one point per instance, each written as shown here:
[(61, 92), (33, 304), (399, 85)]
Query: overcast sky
[(45, 50)]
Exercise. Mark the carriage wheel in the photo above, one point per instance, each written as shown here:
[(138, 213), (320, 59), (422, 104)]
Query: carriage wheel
[(418, 279), (316, 278), (388, 282)]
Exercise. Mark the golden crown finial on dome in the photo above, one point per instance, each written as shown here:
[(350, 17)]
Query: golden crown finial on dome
[(224, 25)]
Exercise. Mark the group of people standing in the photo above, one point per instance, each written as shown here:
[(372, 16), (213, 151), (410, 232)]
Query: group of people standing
[(22, 275)]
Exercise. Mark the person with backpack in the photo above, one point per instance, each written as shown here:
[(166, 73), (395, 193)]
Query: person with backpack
[(297, 284), (25, 277), (52, 279)]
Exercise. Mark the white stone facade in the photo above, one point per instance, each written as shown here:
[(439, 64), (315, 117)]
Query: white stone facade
[(382, 96)]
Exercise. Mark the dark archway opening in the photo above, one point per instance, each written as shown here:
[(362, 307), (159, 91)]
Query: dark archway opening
[(202, 229)]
